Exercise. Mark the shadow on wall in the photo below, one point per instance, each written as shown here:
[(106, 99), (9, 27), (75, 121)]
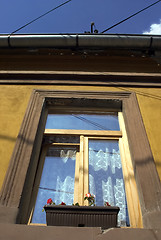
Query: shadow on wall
[(9, 138), (13, 139)]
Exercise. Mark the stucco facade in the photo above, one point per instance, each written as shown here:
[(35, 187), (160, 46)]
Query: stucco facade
[(14, 100), (80, 69)]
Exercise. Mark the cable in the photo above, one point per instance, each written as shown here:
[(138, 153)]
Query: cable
[(41, 16), (90, 122), (54, 190), (130, 16)]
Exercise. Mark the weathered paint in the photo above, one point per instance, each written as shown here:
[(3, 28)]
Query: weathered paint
[(14, 100)]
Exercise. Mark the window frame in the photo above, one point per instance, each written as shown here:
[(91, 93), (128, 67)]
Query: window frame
[(16, 190), (83, 185)]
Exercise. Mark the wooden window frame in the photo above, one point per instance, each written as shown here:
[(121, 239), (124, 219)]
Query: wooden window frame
[(20, 177), (84, 135), (81, 186)]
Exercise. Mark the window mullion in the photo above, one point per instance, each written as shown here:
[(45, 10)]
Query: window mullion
[(81, 172), (86, 169), (76, 183)]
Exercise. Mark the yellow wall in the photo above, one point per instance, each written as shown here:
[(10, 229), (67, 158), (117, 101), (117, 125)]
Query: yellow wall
[(14, 100)]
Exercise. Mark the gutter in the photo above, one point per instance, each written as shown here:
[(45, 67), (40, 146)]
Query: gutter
[(92, 41)]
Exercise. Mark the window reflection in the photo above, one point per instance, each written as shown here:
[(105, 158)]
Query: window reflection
[(83, 121), (57, 180)]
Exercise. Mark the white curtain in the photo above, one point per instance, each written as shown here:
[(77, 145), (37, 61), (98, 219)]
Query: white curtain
[(106, 178), (57, 181)]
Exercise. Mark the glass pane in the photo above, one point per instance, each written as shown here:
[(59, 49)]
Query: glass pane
[(83, 121), (61, 139), (105, 176), (57, 180)]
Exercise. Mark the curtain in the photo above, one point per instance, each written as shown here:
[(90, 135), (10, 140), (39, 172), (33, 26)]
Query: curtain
[(57, 180), (105, 176)]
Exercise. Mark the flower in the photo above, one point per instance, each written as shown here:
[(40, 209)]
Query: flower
[(49, 201), (62, 203), (106, 204), (88, 195), (91, 199)]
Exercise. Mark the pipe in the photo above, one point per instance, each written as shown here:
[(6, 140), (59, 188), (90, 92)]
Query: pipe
[(100, 41)]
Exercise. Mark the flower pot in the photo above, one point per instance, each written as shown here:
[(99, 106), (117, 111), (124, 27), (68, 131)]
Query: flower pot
[(81, 216)]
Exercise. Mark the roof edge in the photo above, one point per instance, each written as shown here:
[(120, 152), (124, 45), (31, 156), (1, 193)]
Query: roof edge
[(90, 41)]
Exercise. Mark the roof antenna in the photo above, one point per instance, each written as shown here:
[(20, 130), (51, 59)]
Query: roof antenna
[(92, 29), (92, 25)]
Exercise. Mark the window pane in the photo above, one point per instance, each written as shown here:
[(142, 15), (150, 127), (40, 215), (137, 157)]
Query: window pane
[(106, 178), (57, 180), (61, 139), (83, 121)]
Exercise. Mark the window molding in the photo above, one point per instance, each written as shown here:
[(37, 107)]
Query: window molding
[(132, 197), (17, 188)]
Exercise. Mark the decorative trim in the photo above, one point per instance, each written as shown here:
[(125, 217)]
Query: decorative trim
[(80, 78), (17, 188)]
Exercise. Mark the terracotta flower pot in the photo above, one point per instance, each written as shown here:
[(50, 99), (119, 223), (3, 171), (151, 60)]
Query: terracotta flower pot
[(81, 216)]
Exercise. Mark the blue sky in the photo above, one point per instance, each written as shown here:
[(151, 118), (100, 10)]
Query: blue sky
[(77, 15)]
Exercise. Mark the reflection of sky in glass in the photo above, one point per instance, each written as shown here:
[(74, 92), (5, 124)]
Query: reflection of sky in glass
[(82, 121), (57, 182)]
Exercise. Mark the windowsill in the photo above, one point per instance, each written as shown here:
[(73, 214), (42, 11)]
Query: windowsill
[(38, 224)]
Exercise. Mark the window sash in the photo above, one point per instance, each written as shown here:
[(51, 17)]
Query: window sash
[(81, 186)]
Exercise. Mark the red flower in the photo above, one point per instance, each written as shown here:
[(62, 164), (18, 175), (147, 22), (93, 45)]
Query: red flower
[(107, 204), (62, 203), (88, 195), (49, 201)]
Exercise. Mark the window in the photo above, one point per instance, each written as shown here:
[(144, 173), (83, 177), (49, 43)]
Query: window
[(17, 191), (81, 154)]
